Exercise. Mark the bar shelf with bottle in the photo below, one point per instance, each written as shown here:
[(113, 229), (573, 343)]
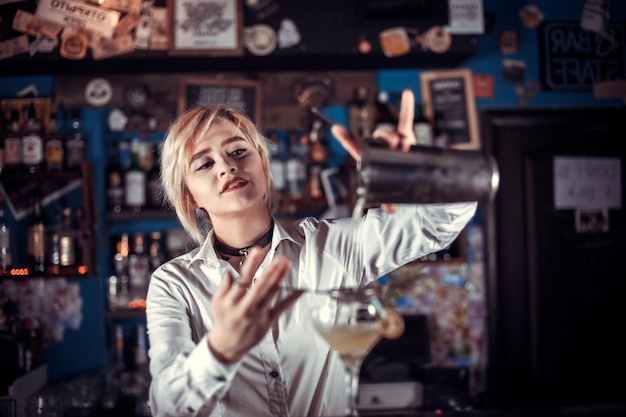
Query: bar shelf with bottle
[(21, 189)]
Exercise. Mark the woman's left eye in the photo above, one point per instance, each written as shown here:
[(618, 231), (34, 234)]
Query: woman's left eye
[(238, 152)]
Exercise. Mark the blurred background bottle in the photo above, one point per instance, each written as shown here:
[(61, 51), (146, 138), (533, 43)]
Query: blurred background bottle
[(75, 146), (6, 260), (32, 141), (54, 148)]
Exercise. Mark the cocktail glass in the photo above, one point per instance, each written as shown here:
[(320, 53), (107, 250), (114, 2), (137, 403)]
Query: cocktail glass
[(348, 323)]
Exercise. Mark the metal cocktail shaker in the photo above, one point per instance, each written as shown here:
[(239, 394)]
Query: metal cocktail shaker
[(425, 175)]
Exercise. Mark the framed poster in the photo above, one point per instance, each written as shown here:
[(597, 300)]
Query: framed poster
[(449, 103), (241, 94), (206, 27)]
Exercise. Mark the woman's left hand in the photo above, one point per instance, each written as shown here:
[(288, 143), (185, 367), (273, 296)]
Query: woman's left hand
[(401, 138)]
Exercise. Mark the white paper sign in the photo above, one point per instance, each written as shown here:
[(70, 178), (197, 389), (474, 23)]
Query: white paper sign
[(465, 17), (587, 182), (80, 15)]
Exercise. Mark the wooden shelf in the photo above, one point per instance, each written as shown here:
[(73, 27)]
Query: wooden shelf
[(147, 214), (126, 314)]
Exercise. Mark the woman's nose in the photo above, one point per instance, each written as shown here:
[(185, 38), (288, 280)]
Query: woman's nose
[(226, 167)]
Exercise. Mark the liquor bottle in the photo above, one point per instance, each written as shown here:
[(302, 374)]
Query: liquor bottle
[(155, 250), (54, 148), (153, 179), (36, 238), (277, 165), (53, 247), (118, 284), (295, 167), (13, 143), (3, 134), (115, 185), (361, 113), (138, 269), (75, 143), (141, 361), (6, 260), (84, 249), (112, 372), (422, 126), (32, 141), (67, 238), (319, 157), (135, 184)]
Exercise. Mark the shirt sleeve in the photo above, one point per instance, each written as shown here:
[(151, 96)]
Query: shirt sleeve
[(187, 380), (412, 231)]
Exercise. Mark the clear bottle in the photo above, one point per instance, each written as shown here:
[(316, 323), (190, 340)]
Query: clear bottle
[(135, 185), (422, 127), (138, 269), (32, 141), (114, 182), (75, 143), (54, 246), (54, 148), (6, 259), (13, 144), (67, 238), (36, 238), (296, 168), (277, 165)]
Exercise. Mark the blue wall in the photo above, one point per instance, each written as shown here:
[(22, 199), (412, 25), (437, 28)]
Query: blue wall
[(86, 348)]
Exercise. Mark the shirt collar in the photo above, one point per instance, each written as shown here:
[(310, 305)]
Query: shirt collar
[(207, 251)]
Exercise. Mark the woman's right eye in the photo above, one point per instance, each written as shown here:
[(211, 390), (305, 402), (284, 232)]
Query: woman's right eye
[(204, 165)]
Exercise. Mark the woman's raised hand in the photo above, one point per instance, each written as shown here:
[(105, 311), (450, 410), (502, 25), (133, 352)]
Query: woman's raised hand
[(401, 138), (244, 312)]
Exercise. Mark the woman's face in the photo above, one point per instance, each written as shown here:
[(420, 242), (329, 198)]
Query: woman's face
[(225, 173)]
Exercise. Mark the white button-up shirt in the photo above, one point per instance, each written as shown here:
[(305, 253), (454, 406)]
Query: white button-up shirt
[(292, 371)]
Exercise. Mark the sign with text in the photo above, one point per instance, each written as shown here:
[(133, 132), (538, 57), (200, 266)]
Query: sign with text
[(242, 94), (450, 104), (587, 182), (573, 58), (79, 15)]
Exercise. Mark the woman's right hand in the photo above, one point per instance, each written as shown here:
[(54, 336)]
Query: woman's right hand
[(401, 138), (244, 312)]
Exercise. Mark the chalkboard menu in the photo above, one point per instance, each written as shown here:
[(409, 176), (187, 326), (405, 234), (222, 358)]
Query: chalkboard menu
[(242, 94), (449, 103), (573, 58)]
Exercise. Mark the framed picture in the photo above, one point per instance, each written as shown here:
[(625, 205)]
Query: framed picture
[(206, 27), (242, 94), (450, 105)]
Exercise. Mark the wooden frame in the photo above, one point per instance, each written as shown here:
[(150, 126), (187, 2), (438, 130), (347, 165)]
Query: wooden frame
[(207, 27), (242, 94), (449, 102)]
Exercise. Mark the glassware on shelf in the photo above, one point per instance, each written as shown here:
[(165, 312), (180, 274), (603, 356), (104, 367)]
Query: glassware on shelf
[(352, 321)]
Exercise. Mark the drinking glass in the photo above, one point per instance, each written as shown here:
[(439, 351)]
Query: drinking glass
[(348, 323)]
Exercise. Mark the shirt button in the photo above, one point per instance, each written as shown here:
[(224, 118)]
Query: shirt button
[(274, 374)]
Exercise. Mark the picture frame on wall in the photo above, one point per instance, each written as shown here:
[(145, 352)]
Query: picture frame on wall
[(242, 94), (206, 27), (450, 105)]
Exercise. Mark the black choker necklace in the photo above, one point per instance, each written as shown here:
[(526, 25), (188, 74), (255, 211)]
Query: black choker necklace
[(226, 251)]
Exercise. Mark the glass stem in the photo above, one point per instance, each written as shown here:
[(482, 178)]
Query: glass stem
[(352, 387)]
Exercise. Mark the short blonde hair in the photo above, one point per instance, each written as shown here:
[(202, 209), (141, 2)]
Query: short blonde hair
[(179, 139)]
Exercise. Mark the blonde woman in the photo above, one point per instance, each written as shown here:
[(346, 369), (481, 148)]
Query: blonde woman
[(225, 340)]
